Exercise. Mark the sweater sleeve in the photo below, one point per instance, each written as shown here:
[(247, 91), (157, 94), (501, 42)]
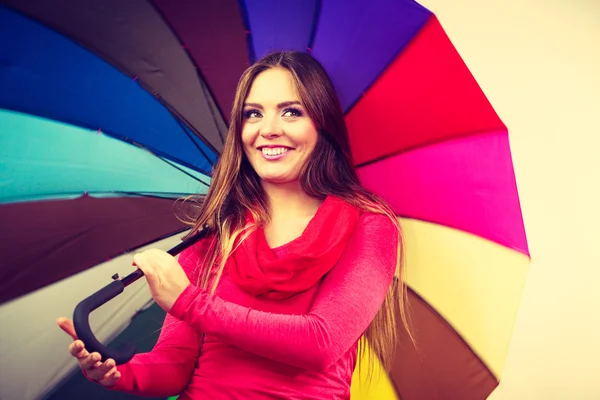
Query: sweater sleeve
[(345, 304), (166, 370)]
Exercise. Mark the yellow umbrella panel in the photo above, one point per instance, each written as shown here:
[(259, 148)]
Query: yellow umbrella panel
[(464, 295)]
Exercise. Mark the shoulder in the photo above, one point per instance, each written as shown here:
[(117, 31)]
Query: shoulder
[(369, 222), (377, 238), (377, 225), (373, 247)]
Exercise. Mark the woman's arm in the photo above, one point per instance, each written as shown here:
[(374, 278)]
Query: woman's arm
[(166, 370), (345, 304)]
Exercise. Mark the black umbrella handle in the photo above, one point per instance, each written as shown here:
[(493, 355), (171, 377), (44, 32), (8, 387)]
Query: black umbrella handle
[(85, 307)]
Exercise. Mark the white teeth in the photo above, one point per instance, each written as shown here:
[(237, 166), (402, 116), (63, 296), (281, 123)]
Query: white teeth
[(269, 151)]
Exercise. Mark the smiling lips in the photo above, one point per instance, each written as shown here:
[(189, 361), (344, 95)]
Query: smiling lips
[(274, 153)]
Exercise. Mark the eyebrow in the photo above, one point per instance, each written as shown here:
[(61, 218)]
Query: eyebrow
[(280, 105)]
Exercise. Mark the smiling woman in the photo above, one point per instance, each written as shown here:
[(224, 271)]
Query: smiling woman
[(301, 265), (277, 133), (99, 143)]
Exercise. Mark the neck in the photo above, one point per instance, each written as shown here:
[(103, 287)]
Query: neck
[(290, 201)]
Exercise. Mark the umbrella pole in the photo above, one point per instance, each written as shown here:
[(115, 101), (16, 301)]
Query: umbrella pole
[(102, 296), (137, 274)]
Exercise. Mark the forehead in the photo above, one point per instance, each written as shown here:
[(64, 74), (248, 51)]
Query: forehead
[(272, 86)]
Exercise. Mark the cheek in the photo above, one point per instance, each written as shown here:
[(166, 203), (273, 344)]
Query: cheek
[(306, 136), (247, 139), (311, 140)]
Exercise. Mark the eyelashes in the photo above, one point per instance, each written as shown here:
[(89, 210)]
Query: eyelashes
[(250, 114), (296, 111), (290, 112)]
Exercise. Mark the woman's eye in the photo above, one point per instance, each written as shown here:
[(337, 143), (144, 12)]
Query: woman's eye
[(292, 112), (251, 114)]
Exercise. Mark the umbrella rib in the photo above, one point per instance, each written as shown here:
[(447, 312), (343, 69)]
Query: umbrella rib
[(452, 330), (246, 20), (313, 32), (208, 94), (432, 143), (152, 151), (194, 143), (181, 120), (163, 156), (149, 242), (385, 67), (185, 172), (205, 88), (154, 195), (73, 195)]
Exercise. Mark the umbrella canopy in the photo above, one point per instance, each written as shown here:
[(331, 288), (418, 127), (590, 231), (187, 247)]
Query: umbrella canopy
[(110, 110)]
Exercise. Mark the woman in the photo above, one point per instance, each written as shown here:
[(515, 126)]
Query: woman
[(303, 261)]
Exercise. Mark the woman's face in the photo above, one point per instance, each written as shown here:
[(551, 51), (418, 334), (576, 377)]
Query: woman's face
[(277, 134)]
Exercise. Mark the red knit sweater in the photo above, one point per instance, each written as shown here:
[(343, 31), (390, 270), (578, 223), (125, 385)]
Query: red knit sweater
[(303, 347)]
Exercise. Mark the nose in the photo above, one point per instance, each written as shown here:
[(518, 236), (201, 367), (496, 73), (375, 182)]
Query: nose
[(271, 127)]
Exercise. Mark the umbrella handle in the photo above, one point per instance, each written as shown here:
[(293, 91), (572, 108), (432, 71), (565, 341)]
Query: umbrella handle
[(86, 306)]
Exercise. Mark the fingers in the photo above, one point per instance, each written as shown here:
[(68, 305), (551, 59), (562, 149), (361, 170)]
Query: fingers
[(103, 372), (77, 350), (111, 377), (90, 361), (67, 325), (100, 370), (142, 263)]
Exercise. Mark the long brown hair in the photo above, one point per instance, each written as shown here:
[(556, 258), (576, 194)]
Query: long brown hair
[(236, 189)]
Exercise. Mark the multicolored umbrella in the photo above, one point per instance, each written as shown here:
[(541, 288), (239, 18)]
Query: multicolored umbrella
[(110, 110)]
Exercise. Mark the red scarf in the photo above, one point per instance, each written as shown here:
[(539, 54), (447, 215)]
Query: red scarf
[(254, 267)]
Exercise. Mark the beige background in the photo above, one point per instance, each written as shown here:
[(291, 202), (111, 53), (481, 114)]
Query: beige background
[(539, 64)]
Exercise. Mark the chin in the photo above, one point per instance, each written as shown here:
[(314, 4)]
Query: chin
[(278, 180)]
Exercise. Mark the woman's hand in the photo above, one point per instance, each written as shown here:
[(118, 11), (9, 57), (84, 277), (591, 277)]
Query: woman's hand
[(166, 278), (104, 373)]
